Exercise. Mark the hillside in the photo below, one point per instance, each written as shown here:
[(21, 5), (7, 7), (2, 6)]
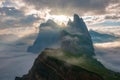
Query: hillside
[(49, 68)]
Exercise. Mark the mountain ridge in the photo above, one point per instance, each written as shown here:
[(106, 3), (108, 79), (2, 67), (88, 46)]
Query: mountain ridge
[(73, 60), (47, 67)]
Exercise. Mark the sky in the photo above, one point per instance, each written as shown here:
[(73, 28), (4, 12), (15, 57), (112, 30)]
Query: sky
[(23, 17), (94, 12), (20, 19)]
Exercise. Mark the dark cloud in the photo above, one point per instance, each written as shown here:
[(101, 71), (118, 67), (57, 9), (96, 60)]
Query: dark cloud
[(29, 19), (73, 6), (115, 17), (11, 11), (12, 17)]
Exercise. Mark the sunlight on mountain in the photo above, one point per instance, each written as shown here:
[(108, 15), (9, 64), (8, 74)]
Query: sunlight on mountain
[(59, 19)]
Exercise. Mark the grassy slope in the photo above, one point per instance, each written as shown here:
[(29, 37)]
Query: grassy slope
[(85, 62)]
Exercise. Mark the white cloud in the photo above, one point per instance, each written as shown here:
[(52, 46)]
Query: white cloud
[(108, 54)]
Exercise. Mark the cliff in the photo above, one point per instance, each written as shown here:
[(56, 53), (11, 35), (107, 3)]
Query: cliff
[(76, 38), (48, 36)]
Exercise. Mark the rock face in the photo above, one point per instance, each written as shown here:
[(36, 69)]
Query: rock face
[(76, 38), (49, 68), (48, 36)]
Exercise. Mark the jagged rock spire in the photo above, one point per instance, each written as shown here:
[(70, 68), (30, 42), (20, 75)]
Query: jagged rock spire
[(76, 39), (76, 18)]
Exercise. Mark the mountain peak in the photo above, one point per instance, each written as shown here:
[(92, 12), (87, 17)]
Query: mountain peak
[(49, 23), (76, 17)]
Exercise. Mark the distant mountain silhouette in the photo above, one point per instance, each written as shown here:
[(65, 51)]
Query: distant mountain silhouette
[(101, 38), (49, 23)]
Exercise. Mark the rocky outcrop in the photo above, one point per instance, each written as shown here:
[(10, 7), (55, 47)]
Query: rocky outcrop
[(76, 38), (49, 68), (48, 36)]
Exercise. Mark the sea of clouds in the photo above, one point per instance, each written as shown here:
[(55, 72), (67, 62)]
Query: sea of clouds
[(16, 61), (108, 53)]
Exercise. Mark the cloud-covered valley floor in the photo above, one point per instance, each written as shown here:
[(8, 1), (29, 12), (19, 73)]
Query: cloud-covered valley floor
[(108, 53), (14, 60)]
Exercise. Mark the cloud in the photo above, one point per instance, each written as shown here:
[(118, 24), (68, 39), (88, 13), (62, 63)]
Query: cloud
[(103, 20), (12, 17), (91, 20), (114, 17), (114, 7), (100, 10), (11, 3), (73, 6), (11, 11), (13, 56), (108, 54)]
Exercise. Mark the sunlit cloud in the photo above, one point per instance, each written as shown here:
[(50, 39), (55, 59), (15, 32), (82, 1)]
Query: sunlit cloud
[(59, 19), (31, 13), (91, 20), (12, 3), (98, 10), (82, 7), (20, 32), (113, 8)]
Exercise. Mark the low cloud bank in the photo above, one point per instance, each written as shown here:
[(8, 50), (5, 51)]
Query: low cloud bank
[(109, 55)]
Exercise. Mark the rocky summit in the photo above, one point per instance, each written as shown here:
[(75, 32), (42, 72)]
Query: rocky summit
[(76, 38)]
